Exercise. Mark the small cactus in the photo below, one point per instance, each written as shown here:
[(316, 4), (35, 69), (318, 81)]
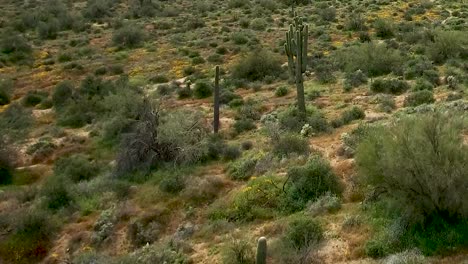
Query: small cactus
[(261, 250), (216, 102), (452, 82)]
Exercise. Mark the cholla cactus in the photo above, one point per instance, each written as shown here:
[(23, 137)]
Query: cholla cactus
[(307, 131)]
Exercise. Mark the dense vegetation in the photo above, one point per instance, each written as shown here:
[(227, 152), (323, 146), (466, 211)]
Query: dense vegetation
[(344, 139)]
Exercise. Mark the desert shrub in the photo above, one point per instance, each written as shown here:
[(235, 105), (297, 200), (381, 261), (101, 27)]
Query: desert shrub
[(48, 29), (404, 161), (417, 67), (239, 251), (128, 36), (7, 159), (303, 232), (160, 137), (259, 24), (327, 203), (56, 193), (287, 144), (354, 79), (383, 28), (231, 152), (104, 226), (327, 14), (157, 253), (227, 95), (244, 168), (372, 59), (243, 125), (6, 87), (355, 113), (406, 257), (309, 182), (41, 149), (33, 232), (62, 93), (14, 48), (76, 168), (203, 89), (281, 91), (97, 10), (239, 38), (185, 92), (419, 97), (203, 190), (291, 120), (237, 3), (173, 182), (140, 9), (257, 65), (386, 103), (159, 78), (33, 98), (15, 120), (422, 84), (147, 229), (260, 199), (391, 86), (447, 45), (355, 22)]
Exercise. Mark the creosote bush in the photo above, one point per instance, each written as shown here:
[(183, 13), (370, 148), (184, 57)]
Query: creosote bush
[(419, 165), (257, 65), (419, 98), (129, 36), (391, 86)]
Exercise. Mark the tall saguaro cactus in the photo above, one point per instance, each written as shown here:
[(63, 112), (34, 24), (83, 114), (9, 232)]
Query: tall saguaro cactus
[(261, 251), (216, 102), (297, 39)]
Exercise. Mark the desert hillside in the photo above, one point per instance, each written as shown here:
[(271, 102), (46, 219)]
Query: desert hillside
[(154, 131)]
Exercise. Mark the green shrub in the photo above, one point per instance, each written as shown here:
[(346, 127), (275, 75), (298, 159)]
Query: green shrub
[(7, 156), (231, 152), (354, 79), (419, 98), (352, 114), (383, 28), (309, 182), (202, 89), (173, 183), (237, 3), (239, 38), (327, 203), (76, 168), (391, 86), (281, 91), (48, 29), (244, 168), (386, 103), (57, 193), (62, 93), (355, 22), (6, 87), (98, 9), (33, 98), (292, 121), (239, 252), (287, 144), (258, 24), (243, 125), (128, 36), (447, 45), (257, 65), (422, 84), (31, 238), (303, 232), (15, 120), (404, 159), (372, 59), (14, 48)]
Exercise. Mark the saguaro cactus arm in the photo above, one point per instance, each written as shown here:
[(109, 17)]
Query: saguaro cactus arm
[(261, 250), (216, 102)]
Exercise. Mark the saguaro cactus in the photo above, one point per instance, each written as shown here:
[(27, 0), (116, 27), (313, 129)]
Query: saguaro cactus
[(297, 39), (261, 250), (216, 102)]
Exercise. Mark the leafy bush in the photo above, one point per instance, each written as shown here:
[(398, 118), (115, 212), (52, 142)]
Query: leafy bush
[(128, 36), (244, 168), (291, 120), (14, 48), (309, 182), (447, 45), (62, 93), (327, 203), (258, 24), (202, 89), (404, 160), (33, 98), (372, 59), (352, 114), (257, 65), (383, 28), (7, 156), (303, 232), (243, 125), (419, 98), (15, 120), (173, 183), (76, 168), (231, 152), (355, 22), (56, 193), (98, 9), (287, 144), (33, 232), (392, 86), (422, 84), (386, 103), (6, 87), (354, 79), (281, 91)]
